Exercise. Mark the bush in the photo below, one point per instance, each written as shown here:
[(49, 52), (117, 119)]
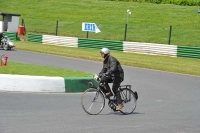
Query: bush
[(176, 2)]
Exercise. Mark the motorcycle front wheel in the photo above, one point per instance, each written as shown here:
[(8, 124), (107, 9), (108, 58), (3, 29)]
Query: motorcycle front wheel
[(5, 46)]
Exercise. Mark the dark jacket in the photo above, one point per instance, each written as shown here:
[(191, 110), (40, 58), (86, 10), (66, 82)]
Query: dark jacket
[(112, 67)]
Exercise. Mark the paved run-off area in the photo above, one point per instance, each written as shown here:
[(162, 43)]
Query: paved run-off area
[(168, 102)]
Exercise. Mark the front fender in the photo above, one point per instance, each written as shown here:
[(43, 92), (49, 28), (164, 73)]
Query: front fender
[(11, 44)]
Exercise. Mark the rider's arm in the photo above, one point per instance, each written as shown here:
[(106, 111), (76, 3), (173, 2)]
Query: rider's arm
[(103, 70)]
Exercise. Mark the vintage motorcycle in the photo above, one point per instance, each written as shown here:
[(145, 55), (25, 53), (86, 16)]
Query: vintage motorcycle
[(6, 44)]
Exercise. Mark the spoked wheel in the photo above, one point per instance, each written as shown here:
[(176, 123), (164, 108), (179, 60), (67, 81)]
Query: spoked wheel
[(128, 100), (92, 101)]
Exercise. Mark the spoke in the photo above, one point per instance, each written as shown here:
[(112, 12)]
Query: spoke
[(97, 94), (128, 101), (89, 109), (92, 101)]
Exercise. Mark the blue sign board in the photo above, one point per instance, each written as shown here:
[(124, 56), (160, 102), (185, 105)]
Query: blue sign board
[(89, 27), (92, 27)]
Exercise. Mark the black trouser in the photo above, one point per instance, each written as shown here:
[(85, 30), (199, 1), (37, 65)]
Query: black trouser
[(116, 84)]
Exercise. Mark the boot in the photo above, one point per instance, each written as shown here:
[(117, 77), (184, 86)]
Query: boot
[(120, 106)]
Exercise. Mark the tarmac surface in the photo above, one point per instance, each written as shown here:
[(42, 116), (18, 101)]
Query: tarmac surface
[(168, 102)]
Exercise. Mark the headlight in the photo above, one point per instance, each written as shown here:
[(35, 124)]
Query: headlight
[(11, 44)]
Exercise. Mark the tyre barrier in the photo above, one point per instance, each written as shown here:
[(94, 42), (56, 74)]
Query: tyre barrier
[(27, 83)]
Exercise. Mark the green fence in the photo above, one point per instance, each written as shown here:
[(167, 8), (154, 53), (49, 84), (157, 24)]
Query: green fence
[(98, 44), (187, 51), (35, 38), (11, 35)]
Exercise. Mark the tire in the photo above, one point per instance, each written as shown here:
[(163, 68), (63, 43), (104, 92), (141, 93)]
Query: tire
[(128, 100), (5, 46), (9, 48), (92, 101)]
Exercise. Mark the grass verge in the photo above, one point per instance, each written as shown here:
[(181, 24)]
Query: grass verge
[(38, 70), (164, 63)]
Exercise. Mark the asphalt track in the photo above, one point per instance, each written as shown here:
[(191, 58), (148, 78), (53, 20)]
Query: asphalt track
[(168, 103)]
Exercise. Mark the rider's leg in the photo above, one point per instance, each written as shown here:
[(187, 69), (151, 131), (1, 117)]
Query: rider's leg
[(105, 81), (116, 85), (108, 91), (107, 88)]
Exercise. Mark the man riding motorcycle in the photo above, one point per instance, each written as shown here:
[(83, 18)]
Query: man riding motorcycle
[(5, 42)]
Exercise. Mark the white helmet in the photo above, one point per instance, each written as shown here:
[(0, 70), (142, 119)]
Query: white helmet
[(105, 51)]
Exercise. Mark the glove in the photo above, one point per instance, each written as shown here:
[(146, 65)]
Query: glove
[(96, 78)]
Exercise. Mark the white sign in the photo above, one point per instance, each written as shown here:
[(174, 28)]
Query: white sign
[(92, 27)]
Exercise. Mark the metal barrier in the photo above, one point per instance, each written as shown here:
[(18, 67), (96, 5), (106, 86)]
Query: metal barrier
[(60, 40), (188, 51), (133, 47), (150, 48), (35, 37), (98, 44), (11, 35)]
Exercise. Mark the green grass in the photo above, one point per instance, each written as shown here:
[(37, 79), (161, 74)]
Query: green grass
[(38, 70), (164, 63), (147, 23)]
